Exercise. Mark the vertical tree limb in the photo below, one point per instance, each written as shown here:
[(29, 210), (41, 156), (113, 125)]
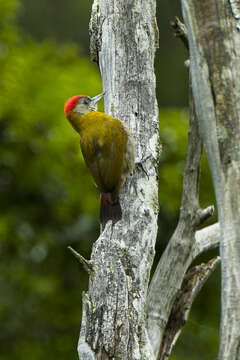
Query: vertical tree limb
[(214, 42), (123, 41), (193, 282), (168, 277)]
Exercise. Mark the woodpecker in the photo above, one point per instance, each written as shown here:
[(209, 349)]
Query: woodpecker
[(108, 150)]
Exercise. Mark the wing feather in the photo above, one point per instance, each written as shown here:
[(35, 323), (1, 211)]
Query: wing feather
[(104, 151)]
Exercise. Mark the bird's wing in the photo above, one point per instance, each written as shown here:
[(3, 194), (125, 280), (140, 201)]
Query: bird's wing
[(104, 153)]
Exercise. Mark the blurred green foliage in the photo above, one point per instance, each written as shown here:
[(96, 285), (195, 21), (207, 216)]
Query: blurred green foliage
[(48, 199), (67, 21)]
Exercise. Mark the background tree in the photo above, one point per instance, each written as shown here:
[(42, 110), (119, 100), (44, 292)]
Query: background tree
[(214, 64), (41, 215)]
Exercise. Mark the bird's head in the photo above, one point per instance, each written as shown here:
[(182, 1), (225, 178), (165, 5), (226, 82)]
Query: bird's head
[(81, 104)]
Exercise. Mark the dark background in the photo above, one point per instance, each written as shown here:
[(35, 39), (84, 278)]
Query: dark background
[(48, 199)]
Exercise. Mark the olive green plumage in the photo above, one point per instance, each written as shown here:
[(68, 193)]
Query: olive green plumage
[(103, 144), (108, 150)]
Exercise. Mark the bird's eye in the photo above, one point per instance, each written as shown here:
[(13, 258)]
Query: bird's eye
[(86, 101)]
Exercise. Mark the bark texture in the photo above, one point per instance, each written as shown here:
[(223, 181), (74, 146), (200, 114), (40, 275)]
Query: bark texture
[(124, 37), (192, 284), (171, 270), (214, 42)]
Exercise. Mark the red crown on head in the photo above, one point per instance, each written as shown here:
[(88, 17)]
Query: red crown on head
[(71, 103)]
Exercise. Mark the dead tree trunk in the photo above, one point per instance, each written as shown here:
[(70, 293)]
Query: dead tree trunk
[(124, 38), (122, 318), (214, 42)]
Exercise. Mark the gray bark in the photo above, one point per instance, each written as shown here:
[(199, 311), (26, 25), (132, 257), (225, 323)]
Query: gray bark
[(170, 273), (192, 284), (123, 41), (214, 42), (121, 319)]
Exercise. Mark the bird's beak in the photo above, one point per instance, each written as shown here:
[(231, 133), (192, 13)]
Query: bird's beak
[(96, 98)]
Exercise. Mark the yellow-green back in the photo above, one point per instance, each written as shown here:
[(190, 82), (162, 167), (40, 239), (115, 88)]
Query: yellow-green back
[(103, 144)]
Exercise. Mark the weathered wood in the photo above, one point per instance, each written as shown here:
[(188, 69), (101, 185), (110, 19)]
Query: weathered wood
[(193, 282), (214, 42), (124, 38), (168, 277)]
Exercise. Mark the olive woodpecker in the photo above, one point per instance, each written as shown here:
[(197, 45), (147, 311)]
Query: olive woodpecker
[(108, 150)]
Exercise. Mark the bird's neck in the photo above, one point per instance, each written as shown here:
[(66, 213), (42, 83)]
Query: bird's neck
[(76, 120)]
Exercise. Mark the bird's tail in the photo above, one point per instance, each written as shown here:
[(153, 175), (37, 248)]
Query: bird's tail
[(109, 210)]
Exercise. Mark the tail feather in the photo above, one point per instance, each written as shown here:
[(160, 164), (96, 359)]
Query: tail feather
[(109, 211)]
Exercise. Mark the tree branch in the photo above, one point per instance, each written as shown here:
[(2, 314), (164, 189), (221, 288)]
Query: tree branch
[(179, 30), (87, 264), (214, 44), (206, 239), (168, 277), (193, 282)]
